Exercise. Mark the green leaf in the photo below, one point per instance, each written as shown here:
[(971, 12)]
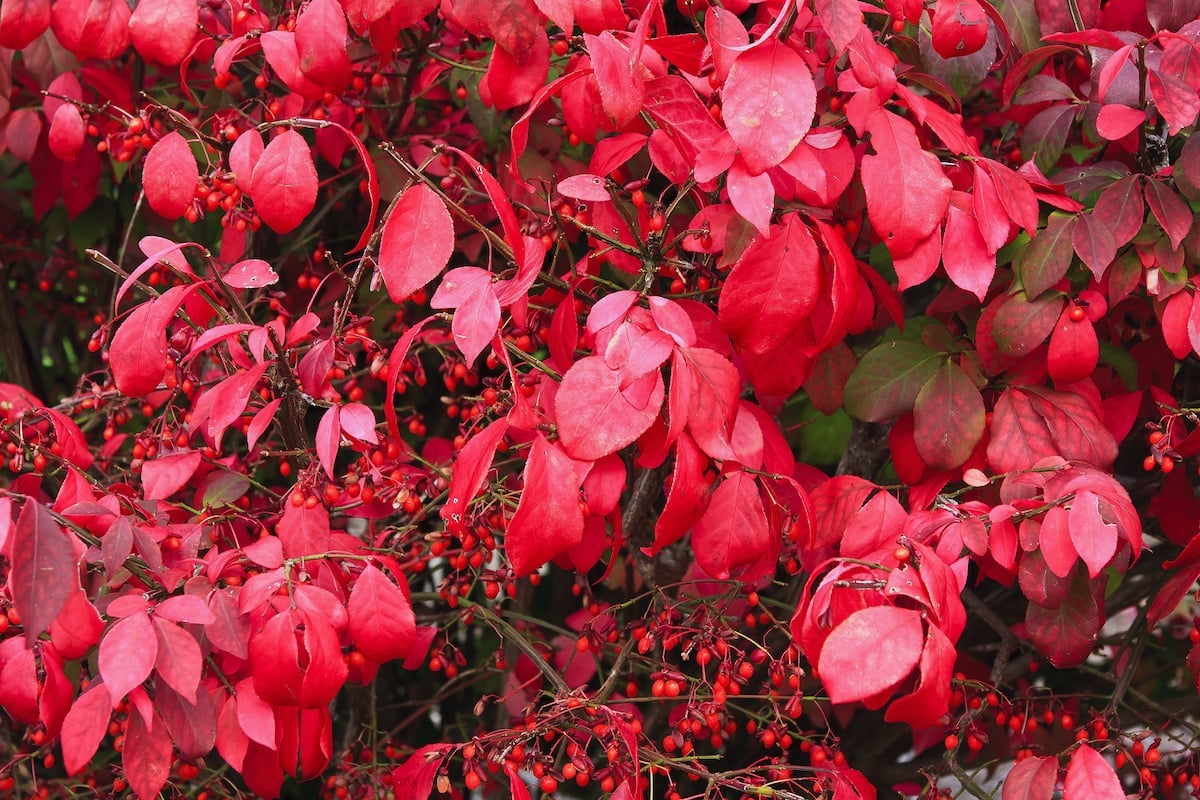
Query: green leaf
[(1047, 258), (886, 382)]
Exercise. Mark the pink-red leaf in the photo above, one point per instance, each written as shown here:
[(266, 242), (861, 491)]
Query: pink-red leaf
[(907, 192), (179, 661), (594, 416), (1091, 777), (768, 103), (284, 182), (165, 475), (163, 30), (1032, 778), (584, 186), (870, 652), (170, 175), (418, 239), (127, 654), (84, 727), (146, 757), (321, 42), (382, 624)]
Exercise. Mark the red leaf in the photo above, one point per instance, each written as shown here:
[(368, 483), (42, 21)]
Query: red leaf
[(1116, 121), (44, 568), (243, 155), (328, 436), (185, 608), (321, 43), (1094, 243), (127, 655), (715, 386), (77, 628), (773, 288), (475, 323), (179, 661), (92, 28), (594, 416), (841, 19), (733, 537), (413, 780), (1030, 424), (284, 182), (1032, 778), (948, 418), (163, 30), (618, 78), (907, 192), (870, 652), (137, 354), (1074, 349), (66, 132), (960, 28), (382, 624), (303, 531), (548, 519), (418, 239), (22, 21), (255, 716), (768, 103), (752, 196), (687, 497), (170, 175), (1091, 777), (282, 55), (164, 476), (1066, 633), (931, 697), (471, 466), (1175, 99), (262, 419), (358, 422), (146, 757)]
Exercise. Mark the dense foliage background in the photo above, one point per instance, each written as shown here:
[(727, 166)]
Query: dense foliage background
[(587, 397)]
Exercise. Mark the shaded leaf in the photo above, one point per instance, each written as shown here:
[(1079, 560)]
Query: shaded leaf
[(382, 624), (44, 568), (888, 378), (948, 418), (548, 519), (773, 288)]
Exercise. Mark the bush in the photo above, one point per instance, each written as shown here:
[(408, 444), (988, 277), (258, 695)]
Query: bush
[(415, 397)]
